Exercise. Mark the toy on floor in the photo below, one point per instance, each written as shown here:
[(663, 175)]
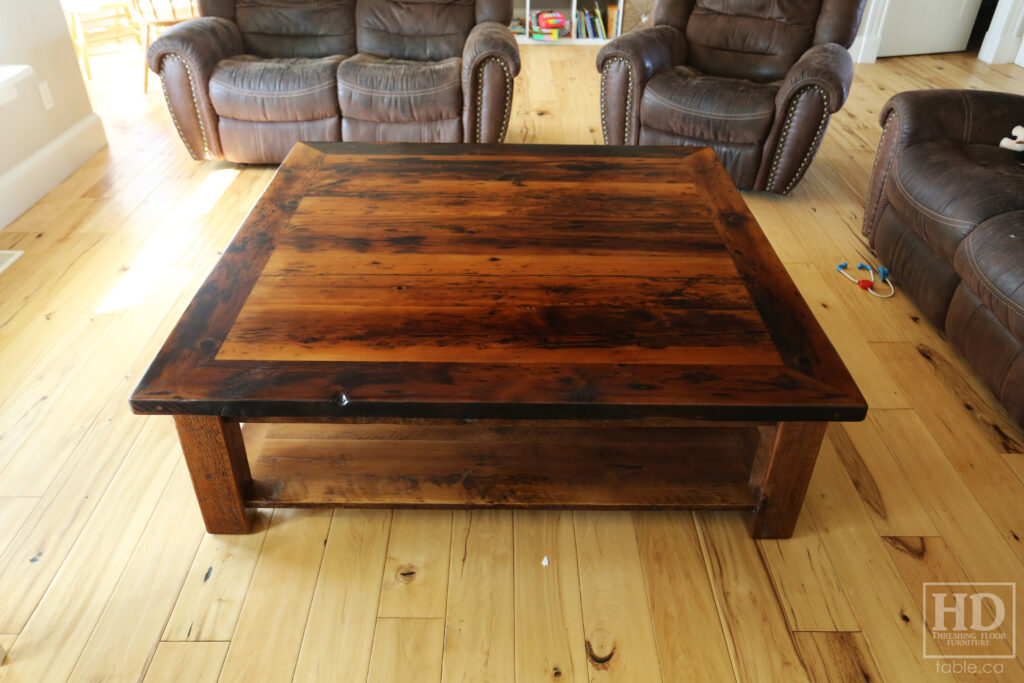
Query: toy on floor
[(1016, 143), (869, 285)]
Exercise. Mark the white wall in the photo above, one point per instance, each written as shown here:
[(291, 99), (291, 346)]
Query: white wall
[(39, 148)]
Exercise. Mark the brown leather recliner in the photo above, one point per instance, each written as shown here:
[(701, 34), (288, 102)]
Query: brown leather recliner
[(756, 80), (945, 212), (251, 77)]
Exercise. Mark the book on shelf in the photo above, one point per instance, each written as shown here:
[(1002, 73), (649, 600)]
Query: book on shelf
[(582, 24), (599, 23), (613, 21)]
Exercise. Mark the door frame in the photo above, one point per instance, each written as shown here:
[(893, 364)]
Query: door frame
[(1003, 44), (869, 38)]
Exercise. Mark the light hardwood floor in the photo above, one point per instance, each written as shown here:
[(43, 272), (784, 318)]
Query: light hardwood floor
[(106, 574)]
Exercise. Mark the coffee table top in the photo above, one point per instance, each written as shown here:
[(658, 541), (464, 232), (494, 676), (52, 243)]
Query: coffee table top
[(510, 282)]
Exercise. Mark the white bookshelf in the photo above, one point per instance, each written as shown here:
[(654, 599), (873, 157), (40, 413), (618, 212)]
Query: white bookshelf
[(523, 8)]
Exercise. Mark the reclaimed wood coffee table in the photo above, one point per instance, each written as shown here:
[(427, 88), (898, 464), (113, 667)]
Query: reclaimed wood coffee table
[(502, 326)]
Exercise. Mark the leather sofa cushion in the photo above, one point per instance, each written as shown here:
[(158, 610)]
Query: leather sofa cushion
[(684, 102), (994, 353), (265, 142), (945, 189), (919, 273), (991, 262), (741, 161), (400, 91), (426, 30), (297, 28), (358, 130), (250, 88), (754, 39)]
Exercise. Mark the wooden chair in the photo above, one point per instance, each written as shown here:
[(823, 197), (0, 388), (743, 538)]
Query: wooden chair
[(83, 19), (158, 15)]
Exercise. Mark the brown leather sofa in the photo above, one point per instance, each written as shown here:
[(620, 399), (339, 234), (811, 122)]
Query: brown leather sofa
[(945, 212), (251, 77), (756, 80)]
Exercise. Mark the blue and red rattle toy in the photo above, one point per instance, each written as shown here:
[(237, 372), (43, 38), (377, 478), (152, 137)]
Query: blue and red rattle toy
[(869, 285)]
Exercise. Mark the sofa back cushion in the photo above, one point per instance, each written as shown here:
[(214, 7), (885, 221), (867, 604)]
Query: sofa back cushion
[(754, 39), (430, 30), (290, 28), (414, 29), (839, 21), (224, 9)]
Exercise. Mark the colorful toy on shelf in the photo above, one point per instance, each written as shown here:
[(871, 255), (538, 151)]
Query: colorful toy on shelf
[(548, 20), (549, 24), (869, 285)]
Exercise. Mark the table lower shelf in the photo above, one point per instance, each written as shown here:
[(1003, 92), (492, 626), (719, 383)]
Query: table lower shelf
[(599, 468)]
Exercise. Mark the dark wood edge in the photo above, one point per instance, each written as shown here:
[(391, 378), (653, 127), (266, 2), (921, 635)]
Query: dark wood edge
[(254, 501), (499, 150), (289, 410), (645, 423), (799, 338), (238, 389), (197, 337), (251, 411)]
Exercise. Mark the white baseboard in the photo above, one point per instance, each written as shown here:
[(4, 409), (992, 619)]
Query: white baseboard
[(30, 180)]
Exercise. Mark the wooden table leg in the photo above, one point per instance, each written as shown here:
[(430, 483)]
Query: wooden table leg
[(215, 455), (781, 472)]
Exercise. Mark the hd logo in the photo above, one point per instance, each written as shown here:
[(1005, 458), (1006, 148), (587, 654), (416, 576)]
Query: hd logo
[(970, 620)]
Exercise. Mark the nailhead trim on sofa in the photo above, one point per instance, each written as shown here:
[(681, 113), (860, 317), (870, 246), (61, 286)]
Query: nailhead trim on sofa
[(785, 134), (195, 103), (480, 98), (629, 98)]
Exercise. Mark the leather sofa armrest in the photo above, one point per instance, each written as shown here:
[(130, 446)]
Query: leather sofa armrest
[(626, 64), (814, 88), (647, 50), (185, 56), (919, 116), (966, 116), (203, 42), (490, 63), (490, 39), (828, 66)]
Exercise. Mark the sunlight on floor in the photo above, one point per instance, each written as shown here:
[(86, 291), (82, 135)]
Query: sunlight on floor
[(148, 269)]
